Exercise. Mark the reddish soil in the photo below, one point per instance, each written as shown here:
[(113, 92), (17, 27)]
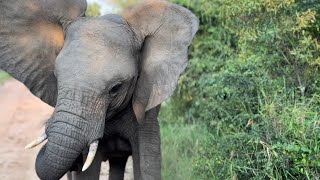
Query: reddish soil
[(21, 120)]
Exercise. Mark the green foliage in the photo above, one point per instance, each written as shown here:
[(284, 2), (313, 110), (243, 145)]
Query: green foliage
[(121, 4), (283, 144), (124, 3), (93, 9), (253, 80), (3, 76), (180, 145)]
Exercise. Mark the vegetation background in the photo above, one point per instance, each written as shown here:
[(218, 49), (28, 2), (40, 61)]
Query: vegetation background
[(248, 105)]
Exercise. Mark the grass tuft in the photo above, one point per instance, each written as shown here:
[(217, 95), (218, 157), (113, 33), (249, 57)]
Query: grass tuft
[(180, 145)]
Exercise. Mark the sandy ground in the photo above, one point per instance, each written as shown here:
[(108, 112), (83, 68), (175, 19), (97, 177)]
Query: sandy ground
[(21, 120)]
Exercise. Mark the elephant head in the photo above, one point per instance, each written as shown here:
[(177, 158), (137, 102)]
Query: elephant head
[(91, 68)]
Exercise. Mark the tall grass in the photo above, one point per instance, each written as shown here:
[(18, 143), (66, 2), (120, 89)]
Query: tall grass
[(180, 146)]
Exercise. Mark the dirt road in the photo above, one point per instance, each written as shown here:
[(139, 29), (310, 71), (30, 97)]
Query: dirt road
[(21, 120)]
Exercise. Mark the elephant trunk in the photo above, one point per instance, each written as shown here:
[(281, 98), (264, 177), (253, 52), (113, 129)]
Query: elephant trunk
[(57, 156), (77, 121)]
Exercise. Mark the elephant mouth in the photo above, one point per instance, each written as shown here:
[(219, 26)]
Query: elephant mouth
[(84, 160)]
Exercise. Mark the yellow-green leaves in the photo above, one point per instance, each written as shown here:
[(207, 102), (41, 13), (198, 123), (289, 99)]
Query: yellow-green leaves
[(305, 19), (93, 9), (276, 5)]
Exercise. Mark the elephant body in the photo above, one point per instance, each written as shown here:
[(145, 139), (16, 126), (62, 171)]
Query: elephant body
[(106, 78)]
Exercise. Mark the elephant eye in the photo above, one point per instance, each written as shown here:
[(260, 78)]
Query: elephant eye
[(115, 88)]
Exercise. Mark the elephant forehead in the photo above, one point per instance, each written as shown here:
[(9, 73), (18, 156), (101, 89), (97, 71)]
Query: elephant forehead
[(99, 49), (102, 32), (101, 39), (95, 61)]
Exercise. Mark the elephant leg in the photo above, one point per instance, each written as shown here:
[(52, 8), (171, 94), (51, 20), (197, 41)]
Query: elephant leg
[(117, 167), (146, 152), (92, 173)]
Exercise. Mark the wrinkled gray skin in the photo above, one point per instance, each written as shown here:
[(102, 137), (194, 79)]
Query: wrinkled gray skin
[(116, 148), (105, 76)]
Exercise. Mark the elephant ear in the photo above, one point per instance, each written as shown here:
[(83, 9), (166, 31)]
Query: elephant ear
[(165, 32), (31, 36)]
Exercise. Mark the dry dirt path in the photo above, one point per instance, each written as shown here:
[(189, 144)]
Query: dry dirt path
[(21, 120)]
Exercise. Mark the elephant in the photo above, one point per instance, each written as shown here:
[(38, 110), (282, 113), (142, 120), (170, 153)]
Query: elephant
[(106, 78), (121, 141)]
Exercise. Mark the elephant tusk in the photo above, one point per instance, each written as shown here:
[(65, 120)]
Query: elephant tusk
[(92, 152), (37, 141)]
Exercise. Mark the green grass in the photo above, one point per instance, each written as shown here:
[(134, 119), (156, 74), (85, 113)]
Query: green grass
[(181, 144), (3, 76)]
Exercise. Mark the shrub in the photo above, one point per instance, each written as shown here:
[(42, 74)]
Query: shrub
[(253, 79)]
